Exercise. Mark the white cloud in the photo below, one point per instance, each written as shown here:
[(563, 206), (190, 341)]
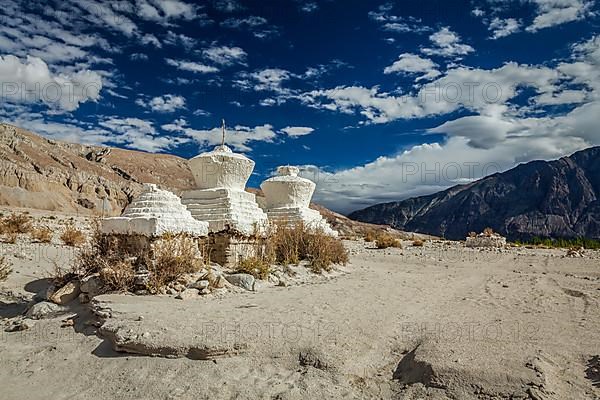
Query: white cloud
[(556, 12), (257, 25), (175, 39), (497, 138), (395, 23), (192, 66), (268, 79), (228, 6), (33, 82), (309, 7), (295, 131), (447, 44), (503, 27), (138, 134), (238, 137), (408, 63), (224, 55), (163, 104)]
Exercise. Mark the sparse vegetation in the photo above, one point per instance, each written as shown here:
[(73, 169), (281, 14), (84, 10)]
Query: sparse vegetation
[(488, 232), (290, 244), (11, 237), (42, 234), (15, 224), (385, 240), (5, 269), (174, 255), (472, 234), (72, 236), (370, 235), (418, 243), (591, 244), (256, 266)]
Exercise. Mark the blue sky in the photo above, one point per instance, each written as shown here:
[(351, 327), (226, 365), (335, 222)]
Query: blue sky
[(379, 101)]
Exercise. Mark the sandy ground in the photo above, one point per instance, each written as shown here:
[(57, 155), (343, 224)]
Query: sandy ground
[(438, 322)]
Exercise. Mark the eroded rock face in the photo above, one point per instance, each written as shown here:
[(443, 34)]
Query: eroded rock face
[(219, 197), (36, 172), (153, 213), (287, 200)]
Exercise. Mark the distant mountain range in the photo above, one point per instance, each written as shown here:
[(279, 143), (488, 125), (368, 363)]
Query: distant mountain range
[(557, 199)]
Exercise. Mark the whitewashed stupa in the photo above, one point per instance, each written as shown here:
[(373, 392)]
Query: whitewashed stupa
[(153, 213), (220, 197), (287, 200)]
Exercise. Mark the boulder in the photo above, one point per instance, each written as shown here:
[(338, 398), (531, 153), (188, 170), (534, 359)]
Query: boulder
[(245, 281), (92, 285), (67, 293), (44, 309)]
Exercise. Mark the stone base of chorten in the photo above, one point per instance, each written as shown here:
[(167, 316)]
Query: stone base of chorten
[(226, 210), (312, 219)]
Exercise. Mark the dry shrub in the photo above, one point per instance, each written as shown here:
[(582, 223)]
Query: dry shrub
[(42, 235), (292, 243), (119, 275), (72, 236), (385, 240), (174, 255), (257, 266), (11, 237), (418, 243), (472, 234), (5, 269), (488, 232), (15, 223), (370, 235), (322, 251)]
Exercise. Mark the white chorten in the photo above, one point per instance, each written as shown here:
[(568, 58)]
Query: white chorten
[(287, 200), (220, 197), (153, 213)]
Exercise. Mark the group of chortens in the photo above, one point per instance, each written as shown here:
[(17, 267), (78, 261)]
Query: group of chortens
[(219, 202)]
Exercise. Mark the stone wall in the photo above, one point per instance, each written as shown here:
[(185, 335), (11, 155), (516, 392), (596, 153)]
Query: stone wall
[(226, 249)]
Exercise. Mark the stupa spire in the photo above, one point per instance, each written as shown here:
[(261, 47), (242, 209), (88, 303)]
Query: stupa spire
[(223, 129)]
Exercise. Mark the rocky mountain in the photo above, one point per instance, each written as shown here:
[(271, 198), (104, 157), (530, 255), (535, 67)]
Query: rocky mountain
[(557, 199), (40, 173)]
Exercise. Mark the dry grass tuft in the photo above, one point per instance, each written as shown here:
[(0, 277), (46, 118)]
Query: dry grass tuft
[(418, 243), (72, 236), (385, 240), (370, 235), (488, 232), (42, 234), (5, 269), (174, 255), (257, 266), (472, 234), (11, 237), (290, 244), (15, 223)]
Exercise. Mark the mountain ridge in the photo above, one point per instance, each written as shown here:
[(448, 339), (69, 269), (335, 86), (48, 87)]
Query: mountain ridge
[(556, 198)]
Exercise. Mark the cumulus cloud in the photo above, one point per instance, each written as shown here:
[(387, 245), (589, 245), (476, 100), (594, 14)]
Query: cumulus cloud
[(397, 24), (192, 66), (224, 55), (498, 137), (163, 104), (408, 63), (557, 12), (447, 44), (296, 131), (503, 27), (139, 134), (238, 137), (31, 81)]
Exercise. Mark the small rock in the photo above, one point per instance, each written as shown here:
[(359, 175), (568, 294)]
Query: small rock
[(200, 285), (92, 285), (220, 282), (171, 291), (45, 294), (67, 293), (245, 281), (20, 325), (84, 298), (205, 291), (187, 294), (45, 309)]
